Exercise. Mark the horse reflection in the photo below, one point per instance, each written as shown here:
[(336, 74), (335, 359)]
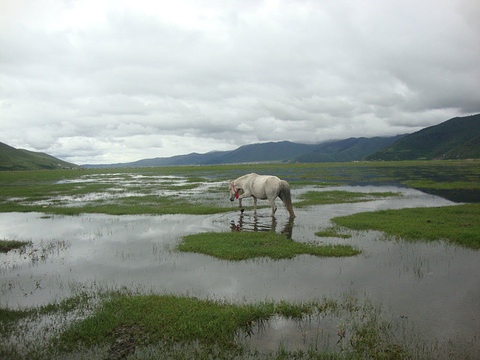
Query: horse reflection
[(258, 223)]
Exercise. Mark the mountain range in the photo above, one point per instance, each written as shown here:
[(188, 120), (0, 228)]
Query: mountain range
[(20, 159), (457, 138), (284, 151)]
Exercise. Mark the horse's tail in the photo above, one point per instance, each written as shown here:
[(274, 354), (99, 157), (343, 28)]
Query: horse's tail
[(286, 197)]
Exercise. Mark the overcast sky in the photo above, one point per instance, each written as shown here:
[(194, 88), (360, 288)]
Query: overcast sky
[(104, 81)]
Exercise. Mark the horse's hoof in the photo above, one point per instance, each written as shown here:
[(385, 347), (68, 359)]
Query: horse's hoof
[(242, 210)]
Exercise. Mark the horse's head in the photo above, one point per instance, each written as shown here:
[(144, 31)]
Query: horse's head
[(233, 191)]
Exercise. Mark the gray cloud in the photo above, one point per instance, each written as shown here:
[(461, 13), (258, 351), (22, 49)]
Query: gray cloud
[(114, 81)]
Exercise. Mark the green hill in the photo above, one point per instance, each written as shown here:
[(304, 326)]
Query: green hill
[(457, 138), (19, 159), (351, 149), (265, 152)]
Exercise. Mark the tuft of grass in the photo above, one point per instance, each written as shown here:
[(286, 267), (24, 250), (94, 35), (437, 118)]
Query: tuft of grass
[(7, 245), (458, 224), (248, 245), (9, 316)]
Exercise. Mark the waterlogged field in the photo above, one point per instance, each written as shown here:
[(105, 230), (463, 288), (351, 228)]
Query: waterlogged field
[(141, 262)]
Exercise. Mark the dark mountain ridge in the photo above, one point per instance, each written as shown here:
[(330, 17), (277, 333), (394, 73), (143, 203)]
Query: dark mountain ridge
[(457, 138), (351, 149)]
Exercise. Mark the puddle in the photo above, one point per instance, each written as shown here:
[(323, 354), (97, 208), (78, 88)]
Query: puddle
[(434, 285), (293, 335)]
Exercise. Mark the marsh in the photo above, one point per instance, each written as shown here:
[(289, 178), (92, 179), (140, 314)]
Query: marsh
[(431, 286)]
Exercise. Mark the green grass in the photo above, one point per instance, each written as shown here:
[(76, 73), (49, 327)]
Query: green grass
[(332, 232), (214, 329), (9, 317), (7, 245), (162, 206), (166, 318), (249, 245), (458, 224), (124, 206), (448, 185), (19, 159), (338, 197)]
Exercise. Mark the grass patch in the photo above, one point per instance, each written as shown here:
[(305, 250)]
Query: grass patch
[(249, 245), (9, 317), (332, 232), (163, 205), (124, 206), (316, 183), (450, 185), (172, 319), (338, 197), (7, 245), (215, 329), (457, 224)]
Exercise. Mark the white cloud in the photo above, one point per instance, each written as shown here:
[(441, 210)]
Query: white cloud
[(114, 81)]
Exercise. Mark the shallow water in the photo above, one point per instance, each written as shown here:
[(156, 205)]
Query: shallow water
[(434, 285), (124, 186)]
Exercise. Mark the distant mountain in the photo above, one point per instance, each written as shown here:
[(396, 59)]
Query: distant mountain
[(457, 138), (284, 151), (467, 150), (19, 159), (351, 149), (189, 159), (266, 152)]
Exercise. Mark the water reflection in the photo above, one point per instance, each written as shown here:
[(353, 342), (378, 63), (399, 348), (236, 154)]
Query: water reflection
[(262, 223), (457, 195)]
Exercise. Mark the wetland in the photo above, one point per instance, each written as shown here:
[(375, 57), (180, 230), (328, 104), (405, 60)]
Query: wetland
[(93, 240)]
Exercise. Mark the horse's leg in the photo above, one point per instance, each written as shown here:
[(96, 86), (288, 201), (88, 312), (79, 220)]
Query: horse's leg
[(272, 204), (244, 195), (254, 205)]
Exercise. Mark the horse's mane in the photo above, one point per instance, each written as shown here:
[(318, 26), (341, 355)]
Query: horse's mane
[(247, 175)]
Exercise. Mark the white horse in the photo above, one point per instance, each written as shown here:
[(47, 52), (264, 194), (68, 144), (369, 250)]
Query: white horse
[(261, 187)]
